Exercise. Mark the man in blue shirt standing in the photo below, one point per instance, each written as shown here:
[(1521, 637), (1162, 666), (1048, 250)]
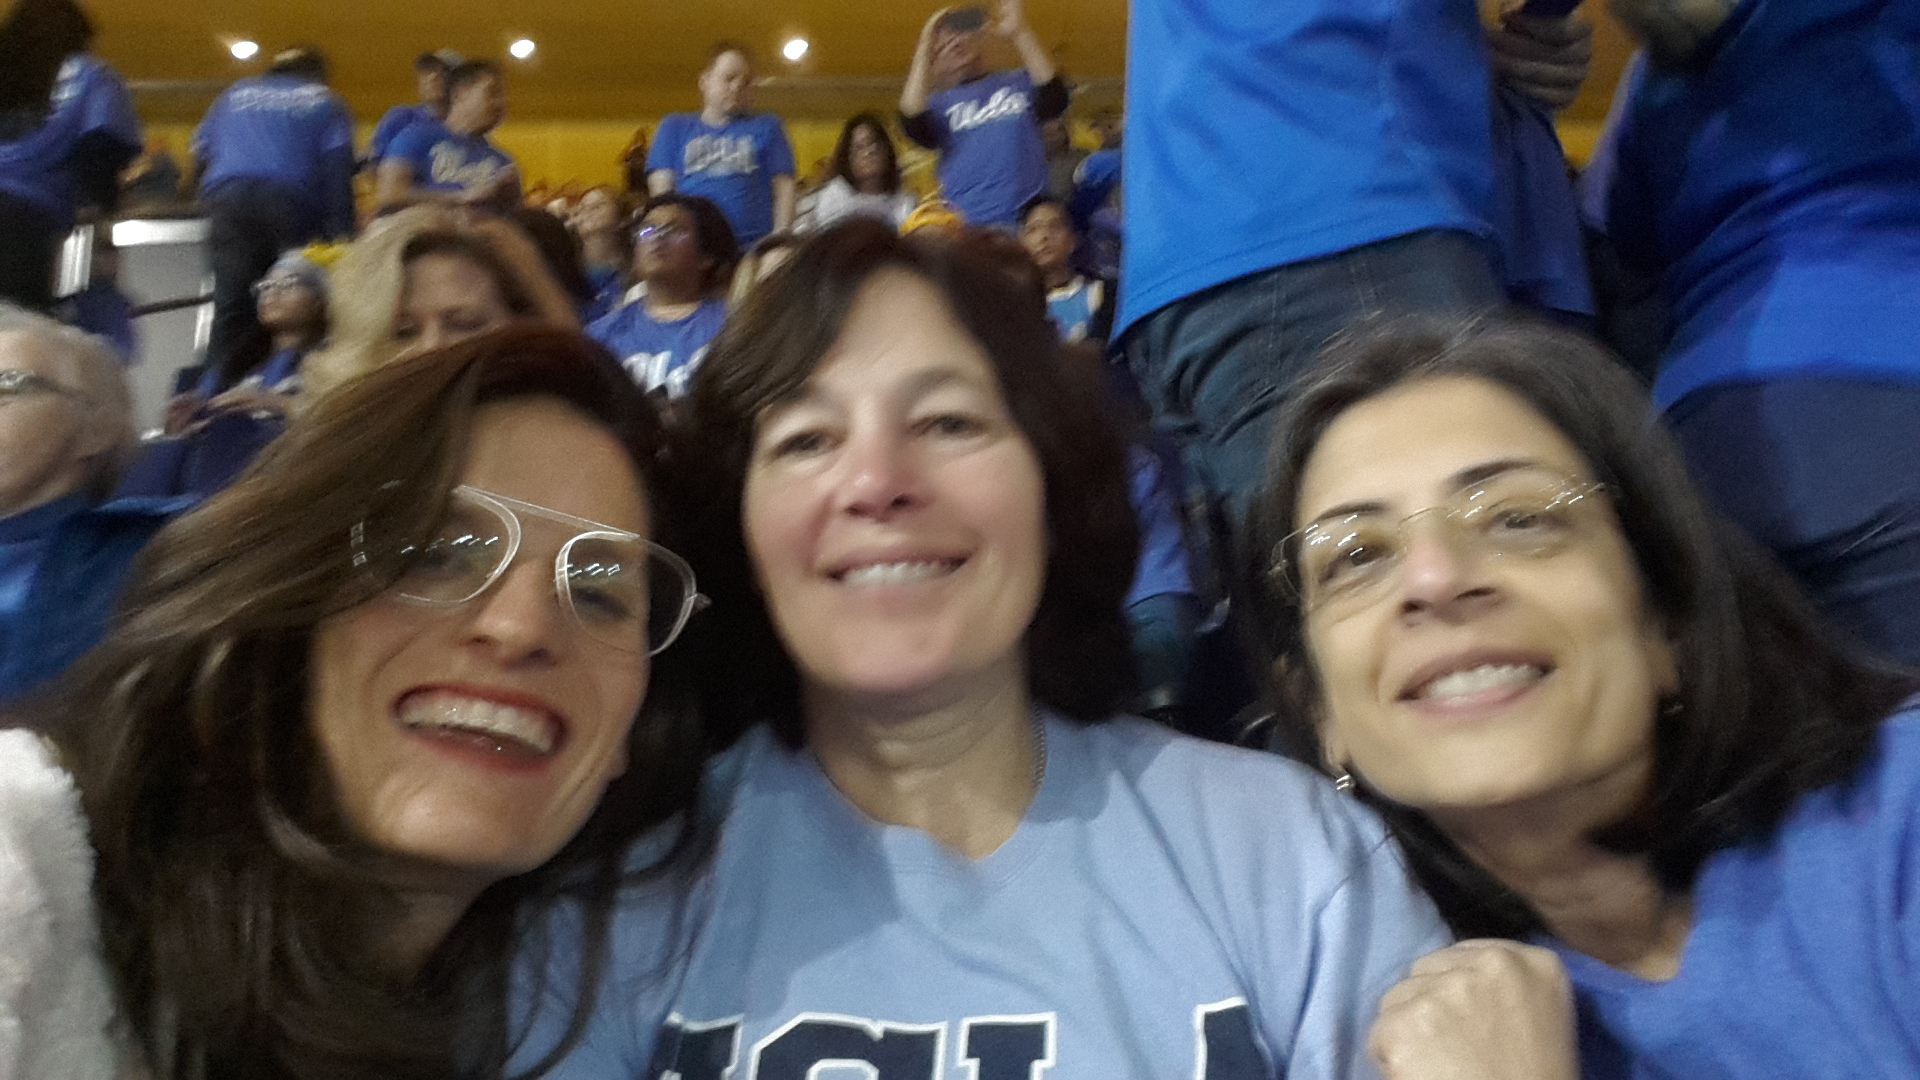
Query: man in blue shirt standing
[(986, 126), (1289, 169), (430, 75), (726, 152), (275, 156), (451, 161)]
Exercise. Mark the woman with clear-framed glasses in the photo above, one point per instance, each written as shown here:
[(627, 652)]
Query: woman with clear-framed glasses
[(364, 716), (1617, 744)]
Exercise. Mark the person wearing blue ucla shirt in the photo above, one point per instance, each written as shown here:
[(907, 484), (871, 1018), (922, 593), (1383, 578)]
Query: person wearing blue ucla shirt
[(452, 162), (986, 125), (684, 253), (1765, 168), (67, 128), (275, 159), (430, 75), (738, 158), (1290, 167), (1603, 725)]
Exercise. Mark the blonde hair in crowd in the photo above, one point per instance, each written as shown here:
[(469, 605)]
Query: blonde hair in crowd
[(368, 282)]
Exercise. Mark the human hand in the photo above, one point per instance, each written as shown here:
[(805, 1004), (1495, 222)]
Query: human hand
[(1012, 19), (248, 399), (1545, 59), (1478, 1010), (183, 412), (933, 24)]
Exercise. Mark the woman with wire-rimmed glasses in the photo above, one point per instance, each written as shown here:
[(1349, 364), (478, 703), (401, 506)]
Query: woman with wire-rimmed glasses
[(1597, 718), (369, 711)]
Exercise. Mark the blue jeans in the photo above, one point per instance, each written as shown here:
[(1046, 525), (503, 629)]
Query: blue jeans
[(1215, 366), (1825, 474)]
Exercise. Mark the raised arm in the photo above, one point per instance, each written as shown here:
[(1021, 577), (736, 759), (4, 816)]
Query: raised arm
[(1672, 30), (913, 96), (1012, 25), (1544, 57)]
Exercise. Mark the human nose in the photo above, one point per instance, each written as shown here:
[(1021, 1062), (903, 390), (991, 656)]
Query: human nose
[(880, 477), (519, 618), (1439, 569)]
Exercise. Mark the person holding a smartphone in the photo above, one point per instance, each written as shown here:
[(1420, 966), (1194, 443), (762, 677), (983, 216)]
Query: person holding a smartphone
[(985, 125)]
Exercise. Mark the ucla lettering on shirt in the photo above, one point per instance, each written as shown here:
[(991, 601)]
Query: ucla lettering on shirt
[(721, 155), (1005, 102), (828, 1046), (303, 98)]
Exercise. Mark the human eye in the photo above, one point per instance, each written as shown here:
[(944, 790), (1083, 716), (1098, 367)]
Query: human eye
[(1345, 555), (951, 424), (806, 442), (406, 330), (607, 587)]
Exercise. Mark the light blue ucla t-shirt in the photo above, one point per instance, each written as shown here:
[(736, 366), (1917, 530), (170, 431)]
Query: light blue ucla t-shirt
[(1169, 908)]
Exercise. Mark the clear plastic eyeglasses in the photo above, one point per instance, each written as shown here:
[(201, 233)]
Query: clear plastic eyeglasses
[(15, 383), (624, 590), (1350, 558)]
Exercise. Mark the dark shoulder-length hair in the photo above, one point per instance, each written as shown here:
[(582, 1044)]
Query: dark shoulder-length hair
[(843, 151), (1078, 659), (1772, 702), (230, 889), (711, 233), (35, 40)]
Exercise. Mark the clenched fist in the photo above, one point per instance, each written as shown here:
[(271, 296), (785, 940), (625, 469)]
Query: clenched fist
[(1479, 1010)]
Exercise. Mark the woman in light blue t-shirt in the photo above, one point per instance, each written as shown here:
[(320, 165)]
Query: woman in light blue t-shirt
[(1595, 716)]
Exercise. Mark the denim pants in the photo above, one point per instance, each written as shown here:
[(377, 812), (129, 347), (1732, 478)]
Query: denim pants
[(1215, 366), (1825, 474)]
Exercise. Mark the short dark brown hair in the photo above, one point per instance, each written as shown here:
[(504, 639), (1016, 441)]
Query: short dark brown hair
[(1079, 661), (227, 882), (1772, 702), (843, 150)]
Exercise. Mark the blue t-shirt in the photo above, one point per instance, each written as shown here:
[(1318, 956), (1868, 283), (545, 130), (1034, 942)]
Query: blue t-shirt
[(1168, 908), (88, 98), (1163, 566), (1073, 307), (1262, 134), (992, 161), (1804, 960), (282, 129), (443, 161), (733, 165), (392, 123), (659, 355), (1776, 188)]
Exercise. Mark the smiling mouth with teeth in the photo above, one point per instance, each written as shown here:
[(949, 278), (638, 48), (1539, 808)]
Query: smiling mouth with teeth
[(898, 573), (1478, 680), (506, 729)]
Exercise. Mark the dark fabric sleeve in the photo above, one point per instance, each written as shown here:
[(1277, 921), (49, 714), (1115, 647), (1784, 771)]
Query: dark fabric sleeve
[(336, 185), (1050, 99), (921, 129), (97, 160)]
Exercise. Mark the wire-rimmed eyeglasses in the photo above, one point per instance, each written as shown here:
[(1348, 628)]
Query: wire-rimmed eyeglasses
[(623, 590)]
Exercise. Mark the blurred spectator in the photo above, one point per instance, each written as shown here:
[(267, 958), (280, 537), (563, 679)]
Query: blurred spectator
[(560, 251), (152, 183), (1095, 205), (1389, 108), (770, 254), (684, 253), (67, 128), (428, 277), (430, 77), (291, 304), (101, 308), (65, 429), (451, 161), (984, 125), (1063, 158), (865, 178), (633, 165), (738, 158), (275, 160), (1765, 166), (1081, 307), (606, 247)]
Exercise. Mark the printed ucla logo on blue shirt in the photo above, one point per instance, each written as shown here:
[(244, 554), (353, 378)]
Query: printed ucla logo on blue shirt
[(1006, 102), (721, 155)]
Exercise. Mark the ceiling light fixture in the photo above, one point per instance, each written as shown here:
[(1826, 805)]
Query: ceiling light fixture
[(244, 50), (522, 49), (795, 50)]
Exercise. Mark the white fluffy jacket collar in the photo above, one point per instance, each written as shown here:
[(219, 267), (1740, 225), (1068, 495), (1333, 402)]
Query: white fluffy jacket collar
[(56, 1003)]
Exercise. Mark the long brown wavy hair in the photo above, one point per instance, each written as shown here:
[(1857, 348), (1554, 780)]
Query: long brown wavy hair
[(231, 893)]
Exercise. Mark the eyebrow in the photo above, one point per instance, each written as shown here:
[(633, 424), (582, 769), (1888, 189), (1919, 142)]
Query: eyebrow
[(918, 385), (1458, 482)]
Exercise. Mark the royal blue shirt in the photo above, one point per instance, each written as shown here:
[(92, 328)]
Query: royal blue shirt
[(1775, 186), (1266, 133), (287, 131), (1804, 960), (659, 355), (733, 165), (444, 161), (1163, 564), (88, 98), (992, 161), (392, 123)]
